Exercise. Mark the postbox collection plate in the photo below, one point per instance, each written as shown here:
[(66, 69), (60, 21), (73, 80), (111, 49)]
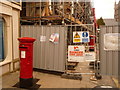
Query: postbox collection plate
[(23, 54)]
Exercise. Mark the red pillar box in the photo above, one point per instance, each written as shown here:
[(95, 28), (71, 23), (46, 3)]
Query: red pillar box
[(26, 61), (92, 42)]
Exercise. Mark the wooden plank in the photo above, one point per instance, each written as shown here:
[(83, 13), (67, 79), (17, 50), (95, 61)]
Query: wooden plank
[(73, 19), (47, 9), (116, 82), (43, 12), (76, 21)]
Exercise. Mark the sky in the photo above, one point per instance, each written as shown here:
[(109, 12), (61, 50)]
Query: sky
[(104, 8)]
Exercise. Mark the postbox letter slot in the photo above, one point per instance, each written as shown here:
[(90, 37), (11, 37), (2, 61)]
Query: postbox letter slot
[(23, 47)]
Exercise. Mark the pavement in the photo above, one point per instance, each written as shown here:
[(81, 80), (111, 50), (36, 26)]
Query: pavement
[(55, 81)]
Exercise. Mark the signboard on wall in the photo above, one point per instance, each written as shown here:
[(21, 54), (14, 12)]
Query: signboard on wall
[(42, 38), (54, 38), (90, 56), (80, 37), (77, 37), (85, 37), (76, 53), (111, 41)]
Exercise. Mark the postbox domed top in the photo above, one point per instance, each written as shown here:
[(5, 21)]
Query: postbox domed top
[(92, 36), (27, 39)]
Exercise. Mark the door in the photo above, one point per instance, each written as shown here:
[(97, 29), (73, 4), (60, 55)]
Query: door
[(1, 40)]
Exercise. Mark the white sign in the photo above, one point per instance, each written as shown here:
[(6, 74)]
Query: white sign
[(23, 54), (54, 38), (76, 53), (42, 38), (81, 37), (90, 56), (112, 41)]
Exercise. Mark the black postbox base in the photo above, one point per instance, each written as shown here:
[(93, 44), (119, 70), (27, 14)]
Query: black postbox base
[(26, 83)]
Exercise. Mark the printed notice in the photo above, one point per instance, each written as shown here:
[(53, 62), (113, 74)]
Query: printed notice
[(42, 38), (23, 54), (54, 38), (76, 37), (90, 56), (79, 37), (111, 41), (76, 53)]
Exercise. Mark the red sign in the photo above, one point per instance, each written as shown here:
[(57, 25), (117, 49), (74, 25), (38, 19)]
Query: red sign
[(76, 53)]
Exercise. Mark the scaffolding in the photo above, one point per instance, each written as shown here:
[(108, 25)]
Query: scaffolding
[(76, 16), (57, 13)]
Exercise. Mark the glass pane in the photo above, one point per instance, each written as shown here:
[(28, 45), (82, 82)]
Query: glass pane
[(1, 41)]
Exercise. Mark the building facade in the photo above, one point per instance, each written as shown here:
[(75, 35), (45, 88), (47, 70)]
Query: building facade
[(9, 33), (117, 12)]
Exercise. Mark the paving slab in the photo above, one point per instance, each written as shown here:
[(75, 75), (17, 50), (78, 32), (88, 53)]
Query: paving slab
[(55, 81)]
